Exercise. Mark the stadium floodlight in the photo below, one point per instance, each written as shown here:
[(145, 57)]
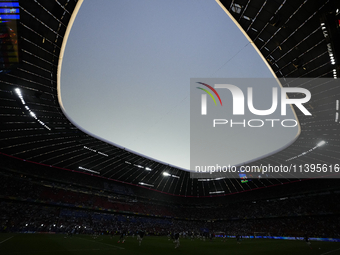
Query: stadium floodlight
[(33, 114), (216, 192), (148, 169), (236, 8), (88, 170), (166, 174), (145, 184), (101, 153), (18, 91), (321, 143)]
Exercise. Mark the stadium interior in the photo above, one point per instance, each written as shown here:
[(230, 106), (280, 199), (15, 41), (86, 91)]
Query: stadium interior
[(48, 177)]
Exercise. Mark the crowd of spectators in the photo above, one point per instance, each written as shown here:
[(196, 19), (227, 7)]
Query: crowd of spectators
[(32, 203), (26, 217), (51, 193), (312, 204)]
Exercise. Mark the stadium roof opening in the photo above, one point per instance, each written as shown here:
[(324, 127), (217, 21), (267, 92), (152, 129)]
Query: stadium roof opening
[(127, 67)]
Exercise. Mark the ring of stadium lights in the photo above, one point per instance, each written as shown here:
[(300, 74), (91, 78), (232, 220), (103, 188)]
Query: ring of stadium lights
[(166, 174), (334, 70)]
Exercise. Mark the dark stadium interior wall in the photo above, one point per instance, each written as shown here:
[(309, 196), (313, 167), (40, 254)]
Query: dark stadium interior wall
[(78, 180)]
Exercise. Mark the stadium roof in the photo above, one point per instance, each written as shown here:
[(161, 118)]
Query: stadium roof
[(298, 39)]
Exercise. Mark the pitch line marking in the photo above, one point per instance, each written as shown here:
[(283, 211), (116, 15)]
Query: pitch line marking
[(103, 243), (6, 239), (329, 252)]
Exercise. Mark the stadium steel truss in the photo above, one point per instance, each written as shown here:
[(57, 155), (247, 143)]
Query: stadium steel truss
[(298, 38)]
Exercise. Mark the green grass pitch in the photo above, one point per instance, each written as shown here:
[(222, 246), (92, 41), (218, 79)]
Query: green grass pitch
[(40, 244)]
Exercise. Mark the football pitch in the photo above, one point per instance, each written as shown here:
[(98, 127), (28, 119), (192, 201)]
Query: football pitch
[(53, 244)]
